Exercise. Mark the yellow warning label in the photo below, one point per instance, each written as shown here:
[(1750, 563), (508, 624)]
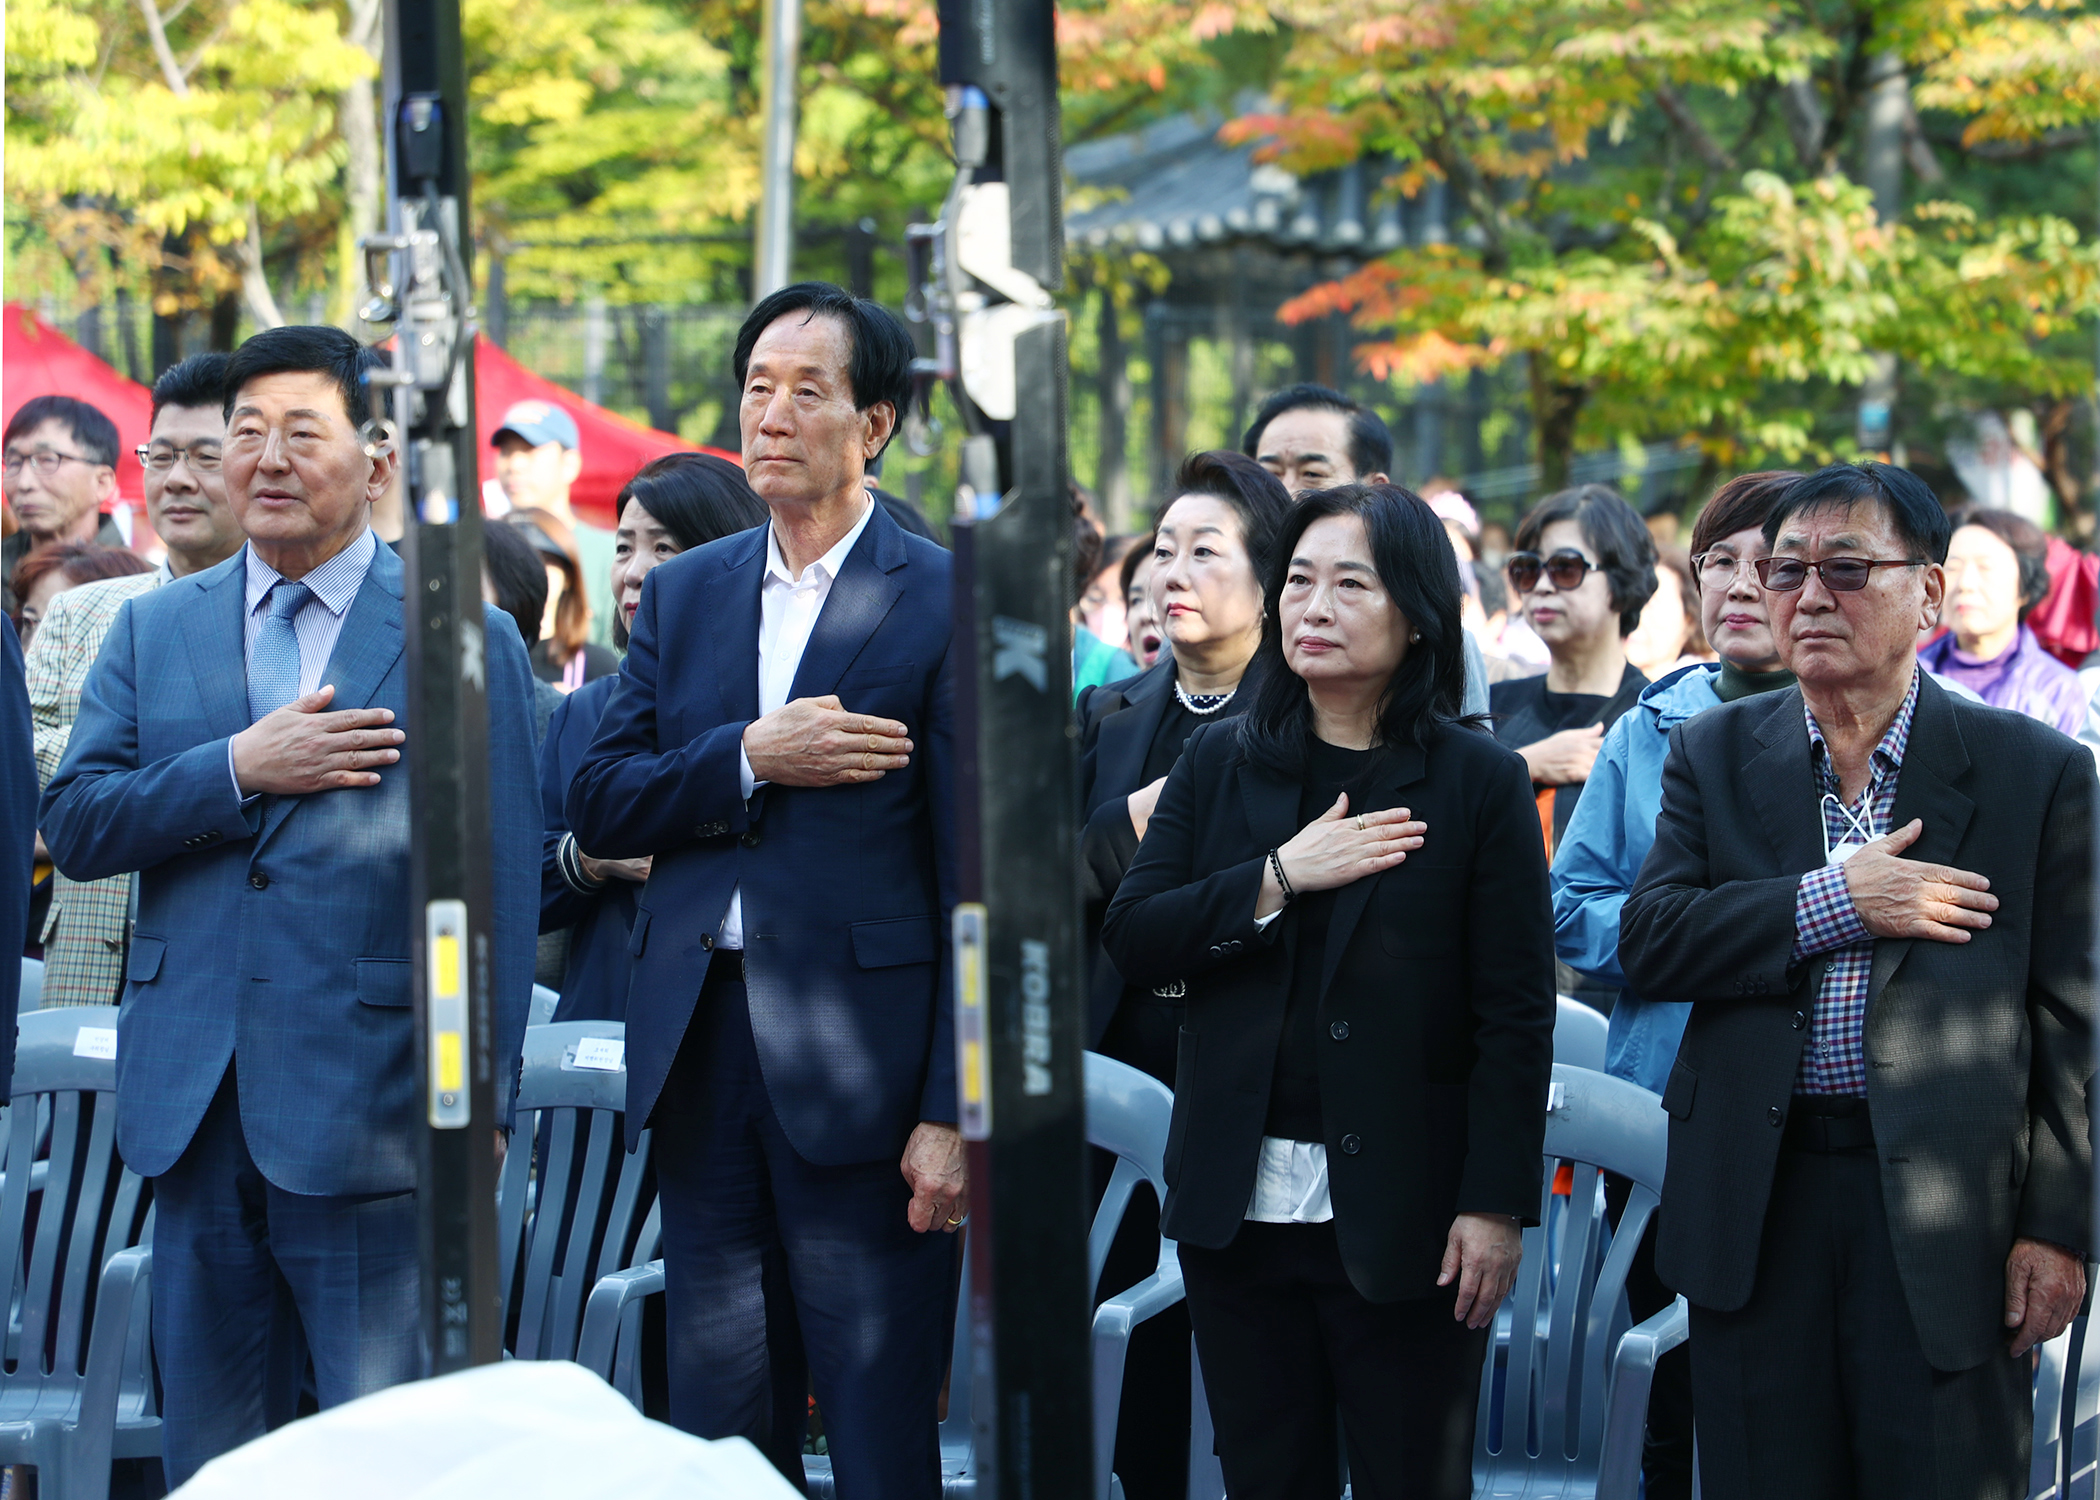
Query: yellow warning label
[(452, 1075)]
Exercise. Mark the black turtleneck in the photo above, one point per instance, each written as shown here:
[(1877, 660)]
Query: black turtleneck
[(1735, 683)]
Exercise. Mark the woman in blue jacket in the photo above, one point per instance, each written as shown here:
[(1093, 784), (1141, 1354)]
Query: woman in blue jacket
[(1600, 856), (675, 503)]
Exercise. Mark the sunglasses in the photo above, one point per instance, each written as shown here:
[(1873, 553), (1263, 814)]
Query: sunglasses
[(1566, 569), (1841, 575)]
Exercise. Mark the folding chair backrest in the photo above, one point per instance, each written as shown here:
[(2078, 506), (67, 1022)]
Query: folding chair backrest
[(1545, 1434), (32, 993), (1579, 1035), (572, 1204), (543, 1002), (62, 1167)]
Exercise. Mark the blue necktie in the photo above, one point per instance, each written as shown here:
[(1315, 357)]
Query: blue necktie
[(273, 668)]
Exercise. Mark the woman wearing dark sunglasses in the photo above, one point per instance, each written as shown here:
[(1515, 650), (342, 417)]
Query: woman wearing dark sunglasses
[(1583, 567)]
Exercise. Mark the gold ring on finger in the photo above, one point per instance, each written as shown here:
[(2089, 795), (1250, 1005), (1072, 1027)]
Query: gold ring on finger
[(1359, 822)]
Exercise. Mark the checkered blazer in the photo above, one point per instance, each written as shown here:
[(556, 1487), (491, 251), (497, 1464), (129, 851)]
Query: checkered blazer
[(84, 935)]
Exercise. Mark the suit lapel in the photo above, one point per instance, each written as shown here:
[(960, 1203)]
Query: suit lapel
[(1126, 737), (1406, 765), (733, 621), (365, 652), (212, 628), (1933, 761), (861, 597), (1782, 785)]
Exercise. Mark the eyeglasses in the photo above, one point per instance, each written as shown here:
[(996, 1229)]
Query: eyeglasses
[(1716, 570), (46, 464), (1566, 568), (1841, 575), (202, 460)]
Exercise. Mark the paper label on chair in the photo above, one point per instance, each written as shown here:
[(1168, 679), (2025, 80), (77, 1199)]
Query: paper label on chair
[(601, 1054), (96, 1041)]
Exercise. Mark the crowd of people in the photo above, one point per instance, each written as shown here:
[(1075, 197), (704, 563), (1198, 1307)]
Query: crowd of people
[(1365, 783)]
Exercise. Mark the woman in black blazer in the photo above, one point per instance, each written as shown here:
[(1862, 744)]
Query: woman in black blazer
[(1211, 553), (1351, 886)]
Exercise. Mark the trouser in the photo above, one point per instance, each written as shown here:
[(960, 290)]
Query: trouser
[(1817, 1388), (248, 1279), (1285, 1340), (741, 1209), (1666, 1453)]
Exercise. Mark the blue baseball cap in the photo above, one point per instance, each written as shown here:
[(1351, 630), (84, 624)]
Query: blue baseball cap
[(539, 423)]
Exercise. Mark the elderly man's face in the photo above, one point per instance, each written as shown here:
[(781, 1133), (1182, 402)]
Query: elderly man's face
[(804, 440), (1307, 448), (1839, 639), (296, 471)]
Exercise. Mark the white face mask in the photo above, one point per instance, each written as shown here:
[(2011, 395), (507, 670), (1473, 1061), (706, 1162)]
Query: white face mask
[(1861, 833)]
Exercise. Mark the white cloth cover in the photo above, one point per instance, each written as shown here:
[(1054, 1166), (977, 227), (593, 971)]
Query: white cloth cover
[(523, 1430)]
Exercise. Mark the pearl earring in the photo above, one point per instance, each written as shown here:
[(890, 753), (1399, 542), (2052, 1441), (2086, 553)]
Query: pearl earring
[(1415, 639)]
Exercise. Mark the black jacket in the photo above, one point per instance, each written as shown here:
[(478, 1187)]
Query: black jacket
[(1437, 997), (1979, 1054), (1117, 724)]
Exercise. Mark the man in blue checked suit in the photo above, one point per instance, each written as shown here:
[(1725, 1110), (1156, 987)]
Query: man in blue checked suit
[(238, 745), (780, 743)]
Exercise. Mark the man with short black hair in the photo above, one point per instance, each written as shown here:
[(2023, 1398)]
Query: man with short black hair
[(1312, 437), (1877, 898), (86, 930), (781, 745), (61, 470), (239, 745)]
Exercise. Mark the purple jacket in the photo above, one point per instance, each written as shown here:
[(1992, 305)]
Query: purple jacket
[(2023, 678)]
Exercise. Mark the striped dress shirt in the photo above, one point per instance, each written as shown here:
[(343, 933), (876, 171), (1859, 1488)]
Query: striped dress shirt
[(319, 621)]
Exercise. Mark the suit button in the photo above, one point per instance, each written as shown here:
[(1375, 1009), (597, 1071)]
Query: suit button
[(1774, 1116), (707, 943), (1216, 951), (259, 880), (1351, 1144), (1339, 1031), (750, 841), (1800, 1019)]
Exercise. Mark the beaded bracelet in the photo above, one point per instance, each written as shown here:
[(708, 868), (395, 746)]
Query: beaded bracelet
[(1276, 864)]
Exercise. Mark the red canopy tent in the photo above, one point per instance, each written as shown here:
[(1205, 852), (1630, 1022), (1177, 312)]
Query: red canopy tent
[(41, 361), (613, 446), (37, 360)]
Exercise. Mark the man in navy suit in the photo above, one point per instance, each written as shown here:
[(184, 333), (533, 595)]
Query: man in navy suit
[(780, 744), (238, 745)]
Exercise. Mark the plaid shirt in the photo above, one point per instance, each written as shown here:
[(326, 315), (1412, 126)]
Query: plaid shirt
[(1825, 920), (85, 936)]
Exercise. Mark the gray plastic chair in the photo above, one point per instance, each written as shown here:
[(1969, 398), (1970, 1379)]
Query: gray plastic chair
[(571, 1204), (1579, 1035), (76, 1391), (1127, 1113), (1563, 1408), (543, 1002), (32, 996)]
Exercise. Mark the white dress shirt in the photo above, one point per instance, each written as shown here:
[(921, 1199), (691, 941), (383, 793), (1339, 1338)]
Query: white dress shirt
[(319, 623), (787, 612)]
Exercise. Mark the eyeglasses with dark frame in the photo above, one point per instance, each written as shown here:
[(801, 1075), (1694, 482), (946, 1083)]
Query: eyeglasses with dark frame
[(45, 463), (202, 459), (1566, 569), (1841, 575)]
